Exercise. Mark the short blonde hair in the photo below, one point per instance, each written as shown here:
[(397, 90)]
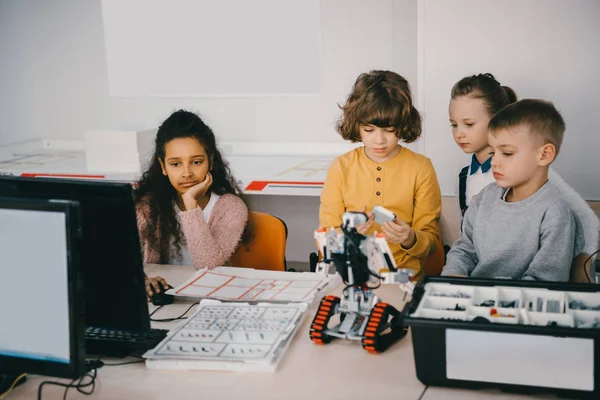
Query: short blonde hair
[(540, 116)]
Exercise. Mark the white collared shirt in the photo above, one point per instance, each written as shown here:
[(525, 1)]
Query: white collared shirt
[(476, 183)]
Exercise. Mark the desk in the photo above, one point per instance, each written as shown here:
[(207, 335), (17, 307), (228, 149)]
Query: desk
[(339, 370)]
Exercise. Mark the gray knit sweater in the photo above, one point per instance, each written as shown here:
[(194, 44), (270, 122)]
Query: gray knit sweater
[(536, 238)]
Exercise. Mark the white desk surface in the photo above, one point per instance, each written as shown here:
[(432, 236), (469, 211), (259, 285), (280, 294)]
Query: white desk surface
[(339, 370)]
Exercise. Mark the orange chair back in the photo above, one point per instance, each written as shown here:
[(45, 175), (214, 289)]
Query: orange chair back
[(434, 264), (266, 249)]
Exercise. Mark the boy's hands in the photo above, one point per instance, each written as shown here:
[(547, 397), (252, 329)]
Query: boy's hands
[(193, 194), (156, 282), (400, 233), (396, 232), (362, 229)]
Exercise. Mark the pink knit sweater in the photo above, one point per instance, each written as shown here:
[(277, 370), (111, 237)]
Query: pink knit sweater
[(210, 244)]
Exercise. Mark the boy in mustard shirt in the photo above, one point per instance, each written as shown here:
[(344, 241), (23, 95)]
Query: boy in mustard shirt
[(379, 113)]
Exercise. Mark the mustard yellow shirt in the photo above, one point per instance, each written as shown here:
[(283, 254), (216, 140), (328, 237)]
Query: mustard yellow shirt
[(405, 184)]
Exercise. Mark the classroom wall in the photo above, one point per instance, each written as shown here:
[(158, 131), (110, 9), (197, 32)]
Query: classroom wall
[(55, 82), (54, 79), (541, 48)]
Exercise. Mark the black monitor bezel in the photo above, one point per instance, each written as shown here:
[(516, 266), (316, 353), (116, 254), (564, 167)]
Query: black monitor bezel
[(125, 192), (77, 363)]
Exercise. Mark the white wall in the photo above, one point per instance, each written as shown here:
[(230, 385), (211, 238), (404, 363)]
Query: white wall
[(55, 82), (208, 48), (541, 48)]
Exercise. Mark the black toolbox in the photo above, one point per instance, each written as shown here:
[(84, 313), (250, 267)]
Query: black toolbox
[(519, 336)]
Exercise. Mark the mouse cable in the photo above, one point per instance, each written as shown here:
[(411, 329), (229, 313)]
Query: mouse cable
[(182, 316), (17, 379), (138, 360), (81, 382), (155, 310)]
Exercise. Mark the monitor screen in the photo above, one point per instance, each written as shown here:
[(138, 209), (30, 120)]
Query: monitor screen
[(40, 308), (111, 259)]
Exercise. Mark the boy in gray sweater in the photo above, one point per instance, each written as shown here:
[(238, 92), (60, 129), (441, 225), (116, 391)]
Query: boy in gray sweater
[(519, 227)]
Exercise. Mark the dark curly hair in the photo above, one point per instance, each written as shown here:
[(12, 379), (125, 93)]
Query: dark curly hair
[(155, 192), (485, 87), (383, 99)]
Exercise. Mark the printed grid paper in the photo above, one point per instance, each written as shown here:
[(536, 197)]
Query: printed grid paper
[(247, 284)]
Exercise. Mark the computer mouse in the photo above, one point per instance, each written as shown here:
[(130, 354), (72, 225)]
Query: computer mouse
[(161, 298)]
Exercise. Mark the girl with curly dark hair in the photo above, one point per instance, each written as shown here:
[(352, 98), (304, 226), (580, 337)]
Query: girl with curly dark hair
[(190, 209)]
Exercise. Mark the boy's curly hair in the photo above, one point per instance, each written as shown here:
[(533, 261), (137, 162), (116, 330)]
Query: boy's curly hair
[(383, 99)]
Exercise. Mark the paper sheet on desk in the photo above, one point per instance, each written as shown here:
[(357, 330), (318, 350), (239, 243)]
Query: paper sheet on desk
[(228, 283)]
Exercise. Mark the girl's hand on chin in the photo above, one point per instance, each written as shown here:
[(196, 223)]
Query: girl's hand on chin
[(196, 192)]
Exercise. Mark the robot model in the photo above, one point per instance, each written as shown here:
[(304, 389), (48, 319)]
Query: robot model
[(359, 260)]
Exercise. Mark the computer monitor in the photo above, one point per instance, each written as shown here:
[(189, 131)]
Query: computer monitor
[(41, 310), (111, 260)]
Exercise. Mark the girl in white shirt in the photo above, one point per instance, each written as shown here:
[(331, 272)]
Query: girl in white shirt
[(474, 101)]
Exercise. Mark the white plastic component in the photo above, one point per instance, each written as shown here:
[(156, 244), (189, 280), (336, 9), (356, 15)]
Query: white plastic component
[(382, 214), (510, 305)]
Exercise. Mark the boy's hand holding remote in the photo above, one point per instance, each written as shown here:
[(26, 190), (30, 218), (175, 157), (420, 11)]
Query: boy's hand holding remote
[(400, 233), (382, 214)]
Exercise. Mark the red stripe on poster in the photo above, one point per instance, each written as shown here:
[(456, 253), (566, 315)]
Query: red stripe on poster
[(33, 175), (260, 185)]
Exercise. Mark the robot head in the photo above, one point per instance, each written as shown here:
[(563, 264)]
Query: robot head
[(351, 219)]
